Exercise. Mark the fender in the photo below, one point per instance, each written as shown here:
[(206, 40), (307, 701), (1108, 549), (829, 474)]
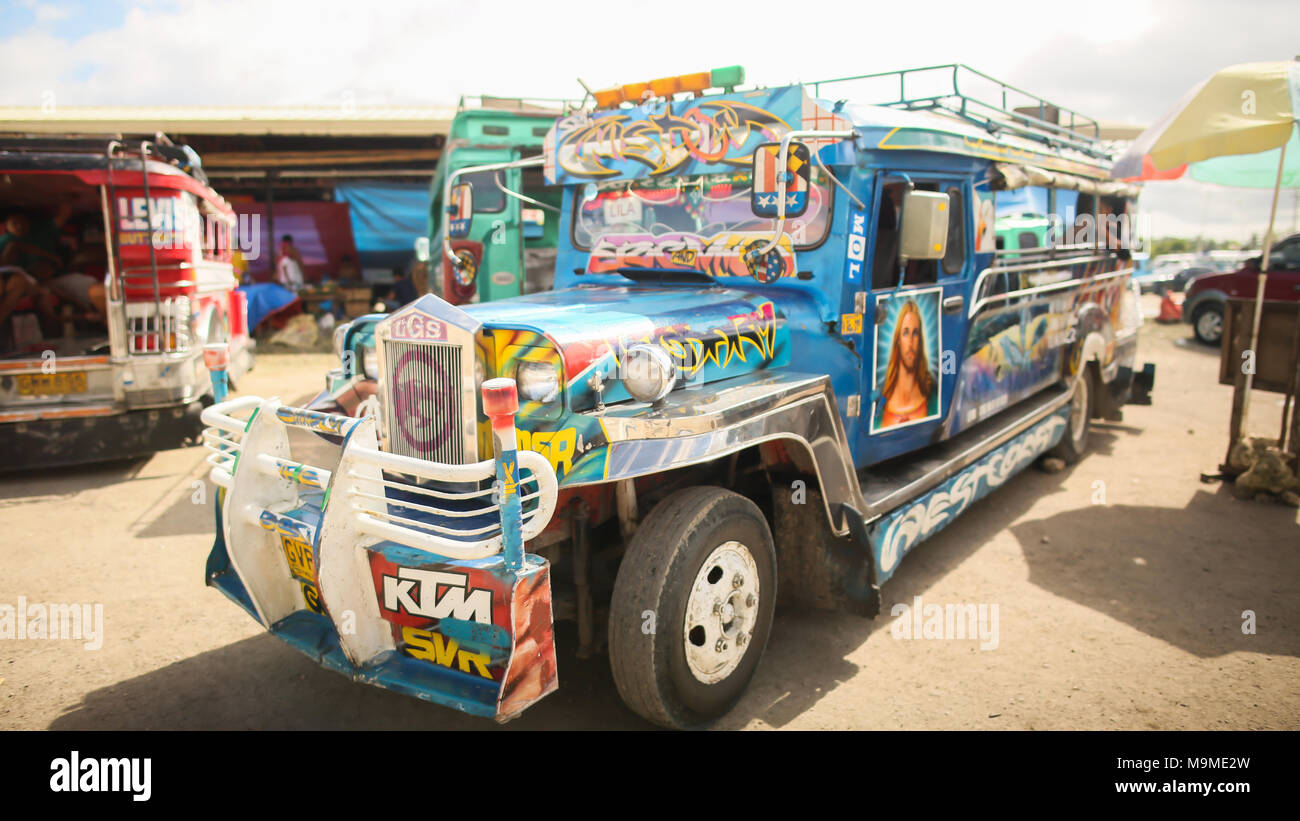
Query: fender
[(696, 426), (1210, 295), (1094, 341)]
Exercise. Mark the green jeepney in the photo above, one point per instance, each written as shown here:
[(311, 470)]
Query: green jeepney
[(513, 226)]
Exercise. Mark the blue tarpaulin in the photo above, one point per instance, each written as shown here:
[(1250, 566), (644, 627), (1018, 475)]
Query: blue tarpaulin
[(264, 299), (387, 217)]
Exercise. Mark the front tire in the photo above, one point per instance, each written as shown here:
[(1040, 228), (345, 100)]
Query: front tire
[(692, 607), (1208, 324)]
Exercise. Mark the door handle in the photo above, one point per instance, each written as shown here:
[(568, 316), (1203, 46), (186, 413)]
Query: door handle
[(953, 304)]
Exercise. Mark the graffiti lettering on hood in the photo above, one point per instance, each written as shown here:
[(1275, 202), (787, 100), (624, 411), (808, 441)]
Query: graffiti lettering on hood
[(744, 335), (719, 255), (720, 131)]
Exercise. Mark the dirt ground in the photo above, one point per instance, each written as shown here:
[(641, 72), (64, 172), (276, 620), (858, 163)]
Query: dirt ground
[(1120, 583)]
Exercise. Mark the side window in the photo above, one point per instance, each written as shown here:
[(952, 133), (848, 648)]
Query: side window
[(954, 257), (885, 263), (1287, 255)]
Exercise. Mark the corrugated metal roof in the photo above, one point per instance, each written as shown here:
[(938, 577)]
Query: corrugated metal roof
[(288, 120)]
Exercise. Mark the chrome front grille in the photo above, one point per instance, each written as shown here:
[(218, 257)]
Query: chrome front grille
[(423, 404)]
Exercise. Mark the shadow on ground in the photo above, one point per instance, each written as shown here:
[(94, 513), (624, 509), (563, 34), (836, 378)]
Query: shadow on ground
[(260, 683), (1184, 577), (1167, 573)]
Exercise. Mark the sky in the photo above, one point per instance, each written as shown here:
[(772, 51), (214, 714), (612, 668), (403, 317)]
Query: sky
[(1116, 60)]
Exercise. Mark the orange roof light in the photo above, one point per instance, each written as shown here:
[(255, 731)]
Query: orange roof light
[(665, 87), (608, 97), (633, 92)]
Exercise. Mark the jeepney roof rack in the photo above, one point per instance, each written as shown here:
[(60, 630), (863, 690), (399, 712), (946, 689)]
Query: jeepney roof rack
[(1001, 107)]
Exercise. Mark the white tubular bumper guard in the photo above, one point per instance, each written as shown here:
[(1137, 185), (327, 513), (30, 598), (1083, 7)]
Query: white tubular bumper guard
[(249, 441)]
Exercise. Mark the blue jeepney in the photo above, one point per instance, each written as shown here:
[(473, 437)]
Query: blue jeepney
[(783, 349)]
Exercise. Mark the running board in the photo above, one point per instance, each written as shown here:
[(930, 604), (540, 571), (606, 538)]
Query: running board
[(907, 501), (893, 483)]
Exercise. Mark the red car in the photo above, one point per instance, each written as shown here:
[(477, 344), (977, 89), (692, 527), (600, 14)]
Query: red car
[(1206, 295)]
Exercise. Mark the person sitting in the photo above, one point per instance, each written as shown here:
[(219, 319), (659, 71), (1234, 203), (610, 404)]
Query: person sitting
[(29, 259), (403, 292)]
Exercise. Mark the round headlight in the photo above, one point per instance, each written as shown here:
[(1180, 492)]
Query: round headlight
[(370, 363), (537, 381), (340, 336), (648, 373)]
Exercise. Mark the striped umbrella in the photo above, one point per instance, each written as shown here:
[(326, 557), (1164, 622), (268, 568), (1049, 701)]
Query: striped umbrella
[(1237, 128)]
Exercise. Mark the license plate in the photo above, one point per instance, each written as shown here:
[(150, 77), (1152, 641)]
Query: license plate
[(51, 384), (298, 554)]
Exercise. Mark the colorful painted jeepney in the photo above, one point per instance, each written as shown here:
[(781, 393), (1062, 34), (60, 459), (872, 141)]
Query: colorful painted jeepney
[(128, 258), (782, 350), (510, 234)]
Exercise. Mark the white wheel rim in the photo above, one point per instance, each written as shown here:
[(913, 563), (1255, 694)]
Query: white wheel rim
[(721, 612), (1209, 324), (1079, 410)]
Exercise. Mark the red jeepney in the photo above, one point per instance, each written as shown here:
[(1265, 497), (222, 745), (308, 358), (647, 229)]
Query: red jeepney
[(121, 272)]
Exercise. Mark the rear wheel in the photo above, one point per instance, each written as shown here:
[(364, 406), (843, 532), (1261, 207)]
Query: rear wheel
[(1075, 441), (692, 607), (1208, 324)]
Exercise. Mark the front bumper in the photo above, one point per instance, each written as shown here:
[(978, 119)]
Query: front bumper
[(59, 437), (388, 569)]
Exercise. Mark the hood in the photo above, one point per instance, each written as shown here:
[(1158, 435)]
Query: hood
[(710, 332)]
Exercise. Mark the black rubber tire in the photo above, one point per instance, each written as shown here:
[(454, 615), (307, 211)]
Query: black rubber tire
[(656, 574), (1072, 447), (1196, 323)]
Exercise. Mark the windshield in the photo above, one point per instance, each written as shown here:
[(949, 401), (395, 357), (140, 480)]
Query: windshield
[(704, 206)]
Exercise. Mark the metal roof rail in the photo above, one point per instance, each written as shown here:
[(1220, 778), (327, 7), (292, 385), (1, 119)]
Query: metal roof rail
[(1035, 117)]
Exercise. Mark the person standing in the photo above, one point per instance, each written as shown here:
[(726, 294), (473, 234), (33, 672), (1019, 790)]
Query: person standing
[(288, 267)]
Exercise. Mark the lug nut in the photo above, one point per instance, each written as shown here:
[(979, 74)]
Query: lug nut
[(738, 580), (750, 601), (741, 639), (720, 646)]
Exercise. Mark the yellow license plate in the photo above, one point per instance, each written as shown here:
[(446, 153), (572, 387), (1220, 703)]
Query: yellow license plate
[(51, 384), (298, 554)]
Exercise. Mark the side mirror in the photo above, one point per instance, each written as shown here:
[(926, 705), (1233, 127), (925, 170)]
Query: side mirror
[(422, 249), (769, 177), (925, 225), (460, 208)]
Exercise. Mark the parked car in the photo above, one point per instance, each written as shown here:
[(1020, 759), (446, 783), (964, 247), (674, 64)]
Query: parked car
[(1184, 276), (1152, 276), (1203, 307)]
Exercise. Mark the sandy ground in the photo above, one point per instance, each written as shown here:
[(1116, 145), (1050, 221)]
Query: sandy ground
[(1120, 586)]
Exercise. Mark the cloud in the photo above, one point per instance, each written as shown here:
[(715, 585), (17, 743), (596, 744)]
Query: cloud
[(1126, 61)]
